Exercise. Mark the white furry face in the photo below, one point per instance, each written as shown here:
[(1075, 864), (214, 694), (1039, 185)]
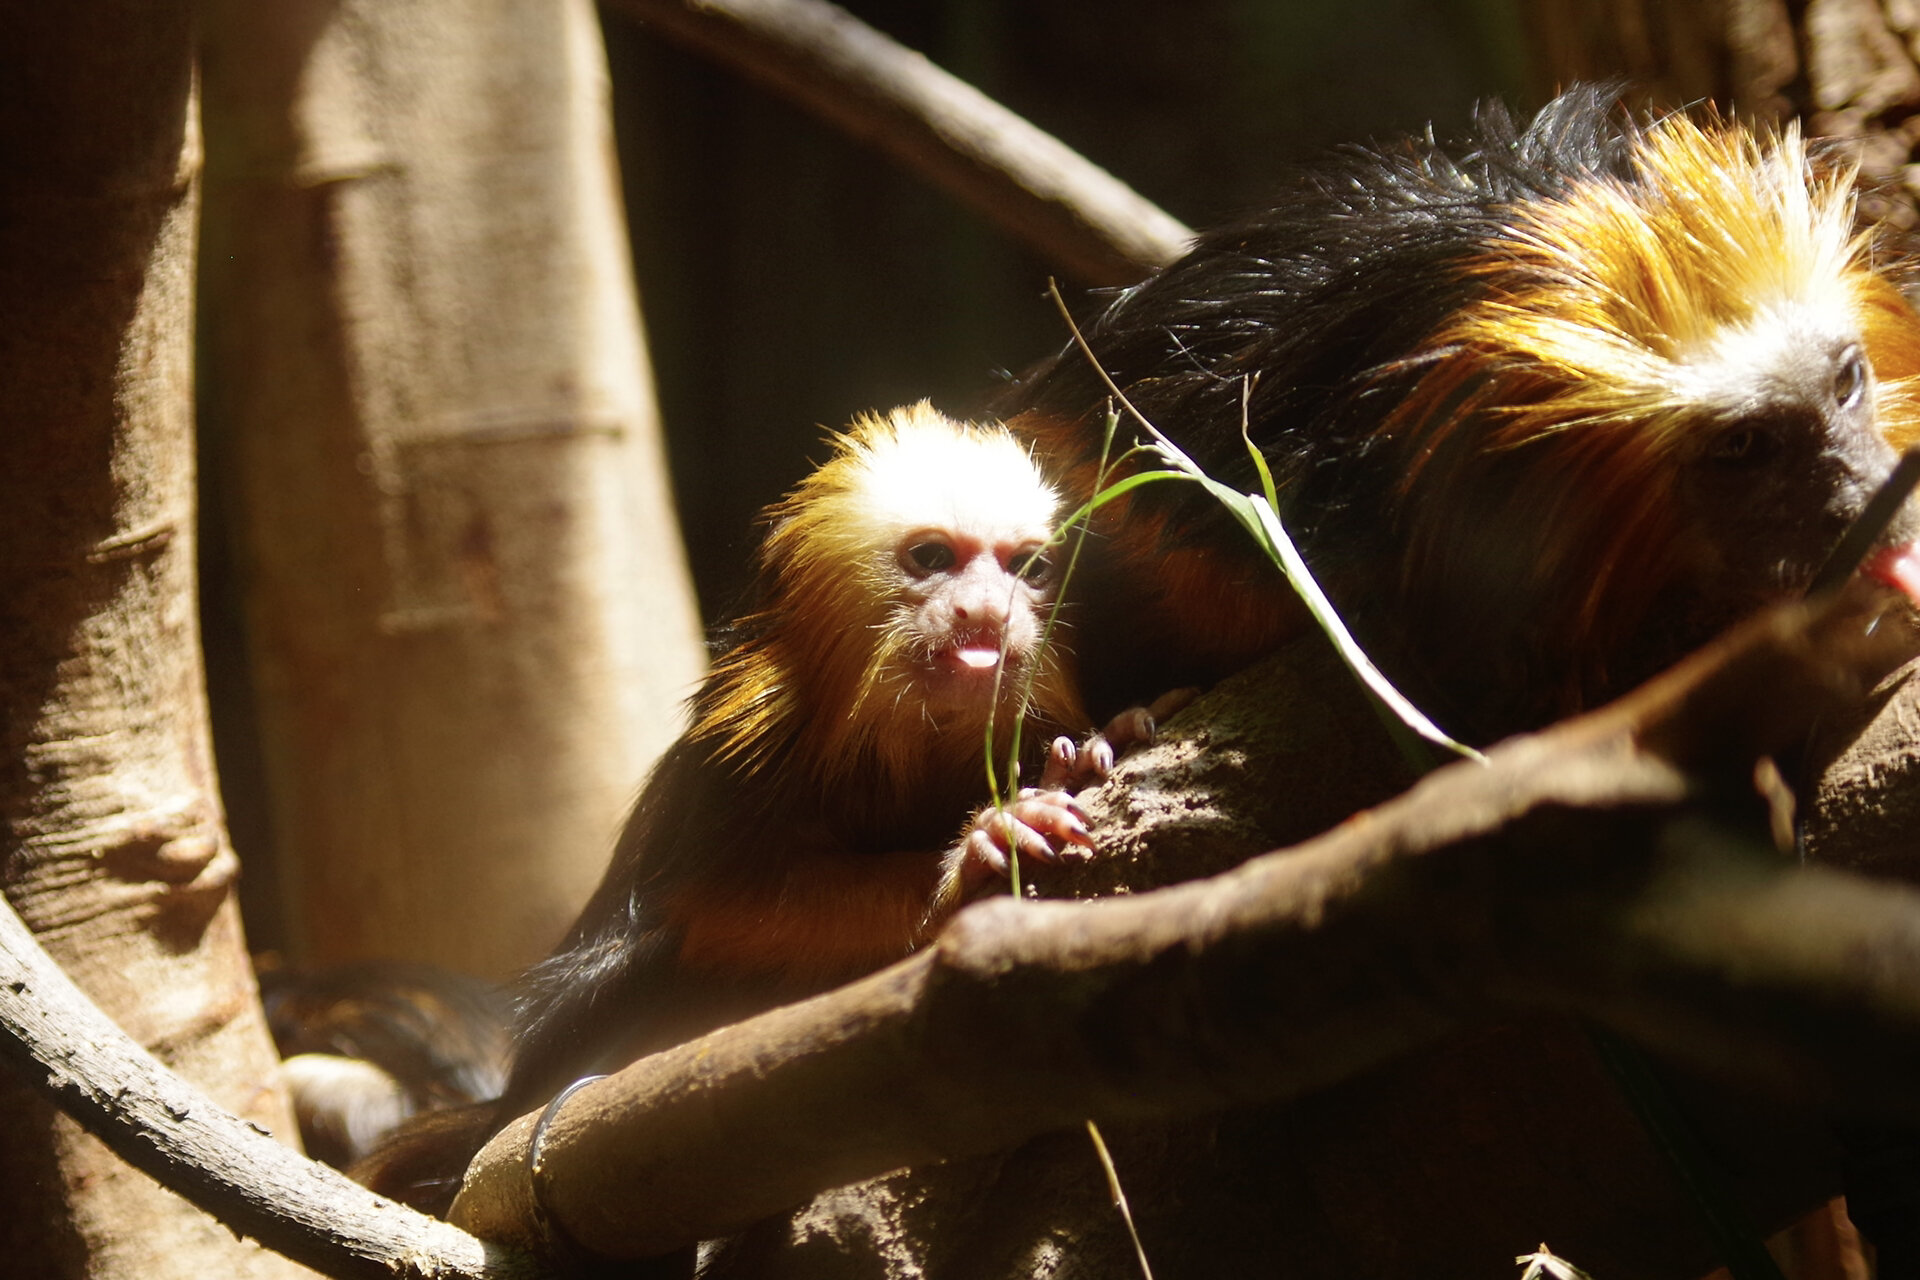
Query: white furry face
[(1807, 349), (925, 470), (907, 580), (953, 520)]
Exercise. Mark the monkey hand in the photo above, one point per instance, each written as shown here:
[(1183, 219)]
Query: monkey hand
[(1075, 768), (1042, 823)]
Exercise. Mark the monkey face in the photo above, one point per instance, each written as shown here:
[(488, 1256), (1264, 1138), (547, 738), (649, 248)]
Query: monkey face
[(1604, 544), (972, 601), (1789, 450)]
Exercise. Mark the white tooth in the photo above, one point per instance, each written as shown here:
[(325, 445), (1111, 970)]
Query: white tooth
[(978, 658)]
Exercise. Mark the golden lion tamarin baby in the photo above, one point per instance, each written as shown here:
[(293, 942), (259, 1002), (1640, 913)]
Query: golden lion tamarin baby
[(798, 834), (826, 808), (1545, 409)]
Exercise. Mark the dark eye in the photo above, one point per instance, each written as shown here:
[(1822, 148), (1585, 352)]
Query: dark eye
[(1031, 566), (924, 558), (1850, 379), (1744, 446)]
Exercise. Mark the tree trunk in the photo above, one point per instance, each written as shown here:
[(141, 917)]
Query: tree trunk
[(115, 848), (1846, 68), (469, 620)]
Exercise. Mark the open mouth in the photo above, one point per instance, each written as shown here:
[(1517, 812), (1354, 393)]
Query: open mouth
[(969, 654), (962, 658)]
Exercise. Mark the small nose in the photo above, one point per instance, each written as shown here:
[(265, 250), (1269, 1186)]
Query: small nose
[(980, 593)]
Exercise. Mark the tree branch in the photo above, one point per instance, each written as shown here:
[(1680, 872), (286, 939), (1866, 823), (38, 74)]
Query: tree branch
[(1604, 867), (151, 1118), (1037, 188)]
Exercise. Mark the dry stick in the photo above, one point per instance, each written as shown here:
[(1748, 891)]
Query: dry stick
[(1567, 874), (1036, 187), (66, 1048)]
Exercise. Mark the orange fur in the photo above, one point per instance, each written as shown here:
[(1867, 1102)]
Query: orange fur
[(1615, 312)]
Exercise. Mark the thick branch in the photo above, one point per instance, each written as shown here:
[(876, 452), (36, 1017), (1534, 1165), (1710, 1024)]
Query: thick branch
[(1588, 869), (85, 1065), (1036, 187)]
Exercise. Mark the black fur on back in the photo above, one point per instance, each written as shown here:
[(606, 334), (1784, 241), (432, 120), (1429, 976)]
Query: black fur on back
[(1319, 302), (1314, 297)]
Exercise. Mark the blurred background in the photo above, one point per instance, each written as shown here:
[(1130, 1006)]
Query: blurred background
[(792, 277)]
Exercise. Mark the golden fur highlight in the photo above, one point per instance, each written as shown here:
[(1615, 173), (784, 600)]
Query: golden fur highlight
[(1607, 308), (1605, 296)]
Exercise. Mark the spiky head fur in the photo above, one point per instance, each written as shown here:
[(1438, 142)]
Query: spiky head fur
[(829, 676), (1504, 388)]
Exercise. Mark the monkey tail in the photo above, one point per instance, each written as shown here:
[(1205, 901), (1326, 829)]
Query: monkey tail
[(421, 1163)]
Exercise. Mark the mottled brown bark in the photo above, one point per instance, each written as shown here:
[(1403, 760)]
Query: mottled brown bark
[(1847, 69), (112, 842), (1584, 871)]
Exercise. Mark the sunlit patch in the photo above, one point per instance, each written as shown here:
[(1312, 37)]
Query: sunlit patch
[(917, 468), (1614, 319), (1632, 299), (976, 657), (1899, 568)]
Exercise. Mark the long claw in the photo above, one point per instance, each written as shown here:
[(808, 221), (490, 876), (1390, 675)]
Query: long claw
[(1134, 727), (1062, 760), (984, 851), (1055, 814), (1171, 703)]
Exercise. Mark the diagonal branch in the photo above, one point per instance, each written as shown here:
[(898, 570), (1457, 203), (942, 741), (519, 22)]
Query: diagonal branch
[(1036, 187), (1603, 867)]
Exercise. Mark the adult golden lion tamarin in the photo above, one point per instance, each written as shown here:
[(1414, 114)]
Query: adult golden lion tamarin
[(1545, 409)]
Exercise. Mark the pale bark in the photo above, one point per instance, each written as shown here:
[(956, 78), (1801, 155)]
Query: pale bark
[(113, 845), (470, 623)]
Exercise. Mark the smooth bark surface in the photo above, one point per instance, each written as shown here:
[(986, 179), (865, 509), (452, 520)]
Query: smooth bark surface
[(469, 617), (255, 1186)]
